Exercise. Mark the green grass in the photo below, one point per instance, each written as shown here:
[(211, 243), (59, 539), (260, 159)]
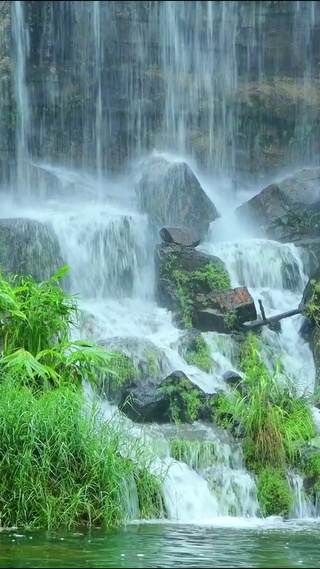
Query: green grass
[(61, 467), (275, 422), (200, 355), (274, 493)]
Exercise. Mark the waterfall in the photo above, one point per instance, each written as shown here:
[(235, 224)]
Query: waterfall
[(23, 129), (99, 84), (109, 82)]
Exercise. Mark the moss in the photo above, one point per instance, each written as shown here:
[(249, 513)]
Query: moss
[(200, 355), (121, 372), (187, 285), (274, 493), (197, 454), (152, 366), (185, 400)]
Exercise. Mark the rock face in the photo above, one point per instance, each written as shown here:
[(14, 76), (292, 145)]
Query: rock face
[(170, 194), (288, 211), (180, 236), (196, 287), (28, 247)]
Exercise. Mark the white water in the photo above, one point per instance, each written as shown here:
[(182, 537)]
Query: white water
[(107, 246)]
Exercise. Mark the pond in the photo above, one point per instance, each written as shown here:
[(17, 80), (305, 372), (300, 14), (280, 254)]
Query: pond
[(230, 543)]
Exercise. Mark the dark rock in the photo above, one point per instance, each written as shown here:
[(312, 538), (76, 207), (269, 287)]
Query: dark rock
[(184, 258), (175, 399), (288, 211), (310, 249), (142, 403), (170, 194), (139, 363), (232, 378), (224, 311), (180, 236), (28, 247)]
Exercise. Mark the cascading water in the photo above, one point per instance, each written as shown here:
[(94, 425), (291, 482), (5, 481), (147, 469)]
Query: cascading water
[(108, 97), (110, 81)]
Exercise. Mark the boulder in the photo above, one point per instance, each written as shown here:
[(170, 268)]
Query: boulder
[(28, 247), (183, 272), (233, 379), (176, 399), (180, 236), (287, 211), (138, 363), (224, 311), (170, 193)]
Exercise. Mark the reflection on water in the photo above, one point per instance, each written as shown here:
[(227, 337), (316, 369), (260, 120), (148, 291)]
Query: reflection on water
[(162, 545)]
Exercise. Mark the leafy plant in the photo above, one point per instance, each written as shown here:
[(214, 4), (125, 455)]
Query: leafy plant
[(35, 323)]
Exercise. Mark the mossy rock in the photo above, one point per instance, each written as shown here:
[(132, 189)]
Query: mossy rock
[(28, 247), (137, 361), (274, 493), (181, 274), (186, 401)]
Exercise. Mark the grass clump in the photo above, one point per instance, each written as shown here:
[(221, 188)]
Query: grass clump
[(185, 402), (60, 465), (275, 422), (200, 355), (274, 493), (150, 498)]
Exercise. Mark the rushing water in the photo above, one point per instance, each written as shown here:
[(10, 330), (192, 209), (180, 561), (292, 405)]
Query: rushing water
[(165, 74), (108, 247), (161, 545)]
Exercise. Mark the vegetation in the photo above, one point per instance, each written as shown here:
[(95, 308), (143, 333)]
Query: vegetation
[(275, 423), (200, 355), (312, 309), (121, 370), (185, 400), (274, 494), (188, 285), (35, 323), (61, 464)]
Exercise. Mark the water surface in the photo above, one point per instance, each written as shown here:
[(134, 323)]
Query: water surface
[(270, 545)]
